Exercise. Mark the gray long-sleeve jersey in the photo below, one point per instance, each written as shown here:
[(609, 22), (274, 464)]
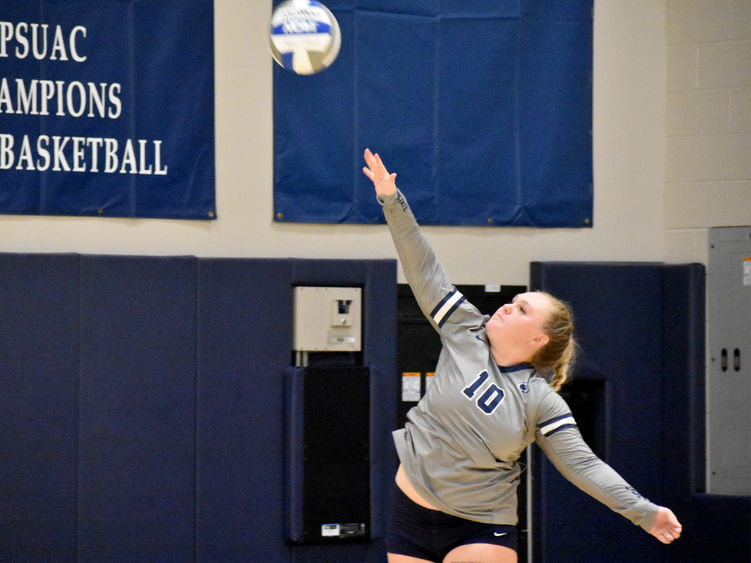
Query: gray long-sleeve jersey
[(461, 443)]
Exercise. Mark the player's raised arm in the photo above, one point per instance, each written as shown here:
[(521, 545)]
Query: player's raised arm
[(441, 303)]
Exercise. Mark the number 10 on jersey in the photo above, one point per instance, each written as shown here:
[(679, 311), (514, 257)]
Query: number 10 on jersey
[(491, 396)]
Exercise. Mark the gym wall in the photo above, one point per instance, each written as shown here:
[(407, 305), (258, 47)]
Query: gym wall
[(141, 412), (641, 331)]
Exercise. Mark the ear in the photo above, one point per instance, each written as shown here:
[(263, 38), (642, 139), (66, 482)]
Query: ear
[(541, 340)]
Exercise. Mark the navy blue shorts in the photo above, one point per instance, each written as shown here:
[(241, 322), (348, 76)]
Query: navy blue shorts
[(431, 534)]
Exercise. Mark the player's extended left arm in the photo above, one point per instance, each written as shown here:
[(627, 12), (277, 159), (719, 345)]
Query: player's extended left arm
[(570, 454)]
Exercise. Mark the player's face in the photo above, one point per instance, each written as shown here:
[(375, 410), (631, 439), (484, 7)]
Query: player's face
[(516, 329)]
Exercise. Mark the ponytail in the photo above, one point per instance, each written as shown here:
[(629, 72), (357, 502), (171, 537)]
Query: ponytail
[(555, 360)]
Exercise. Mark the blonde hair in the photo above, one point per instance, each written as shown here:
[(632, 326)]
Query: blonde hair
[(555, 360)]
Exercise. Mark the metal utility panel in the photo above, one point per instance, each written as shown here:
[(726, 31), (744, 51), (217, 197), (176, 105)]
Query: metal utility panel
[(327, 319), (729, 366)]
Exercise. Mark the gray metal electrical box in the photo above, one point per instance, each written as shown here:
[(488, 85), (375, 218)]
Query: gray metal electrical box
[(729, 367), (327, 319)]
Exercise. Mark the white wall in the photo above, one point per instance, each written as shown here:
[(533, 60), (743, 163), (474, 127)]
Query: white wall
[(629, 170), (708, 122)]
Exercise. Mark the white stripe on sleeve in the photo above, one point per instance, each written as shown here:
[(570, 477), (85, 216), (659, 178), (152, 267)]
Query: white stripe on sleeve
[(548, 428), (450, 302)]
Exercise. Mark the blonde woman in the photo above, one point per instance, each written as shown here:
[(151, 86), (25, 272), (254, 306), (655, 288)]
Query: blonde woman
[(494, 392)]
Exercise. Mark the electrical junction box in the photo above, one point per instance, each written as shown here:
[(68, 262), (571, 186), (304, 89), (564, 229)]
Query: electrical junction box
[(327, 319)]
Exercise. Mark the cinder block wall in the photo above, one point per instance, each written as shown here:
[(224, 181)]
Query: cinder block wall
[(708, 122)]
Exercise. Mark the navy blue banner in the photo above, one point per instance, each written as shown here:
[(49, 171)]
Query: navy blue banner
[(107, 108), (483, 108)]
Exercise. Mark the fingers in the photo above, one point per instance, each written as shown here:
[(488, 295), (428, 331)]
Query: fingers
[(369, 157), (669, 533), (374, 161), (370, 161), (375, 168), (379, 162), (666, 536), (383, 181), (666, 528)]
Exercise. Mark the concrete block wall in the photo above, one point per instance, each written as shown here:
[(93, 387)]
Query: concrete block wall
[(707, 122)]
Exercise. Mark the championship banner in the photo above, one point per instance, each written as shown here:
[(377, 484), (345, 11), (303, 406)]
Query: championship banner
[(107, 108)]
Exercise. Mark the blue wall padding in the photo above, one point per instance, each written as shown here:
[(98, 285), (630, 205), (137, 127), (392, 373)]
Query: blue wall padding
[(141, 408), (137, 468), (684, 344), (618, 324), (245, 323), (641, 329), (38, 407), (141, 405)]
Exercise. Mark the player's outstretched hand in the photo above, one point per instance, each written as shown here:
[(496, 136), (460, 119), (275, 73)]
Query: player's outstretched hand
[(666, 527), (384, 183)]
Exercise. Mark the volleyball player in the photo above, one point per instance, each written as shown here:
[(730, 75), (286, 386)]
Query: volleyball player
[(494, 392)]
